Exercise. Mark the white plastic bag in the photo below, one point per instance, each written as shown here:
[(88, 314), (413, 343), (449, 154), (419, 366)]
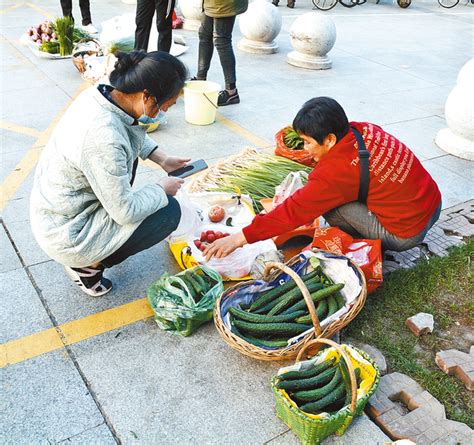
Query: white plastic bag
[(191, 216), (293, 182)]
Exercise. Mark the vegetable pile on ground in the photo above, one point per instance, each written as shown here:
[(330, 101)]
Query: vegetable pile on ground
[(185, 301), (57, 37), (281, 313), (292, 139), (250, 172), (324, 387)]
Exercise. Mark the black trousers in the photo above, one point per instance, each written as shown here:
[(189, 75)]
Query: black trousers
[(217, 32), (145, 11), (66, 6)]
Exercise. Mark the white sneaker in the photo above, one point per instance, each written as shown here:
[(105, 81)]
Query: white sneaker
[(91, 281), (90, 28)]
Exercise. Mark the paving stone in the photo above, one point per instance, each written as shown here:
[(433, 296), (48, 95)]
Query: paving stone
[(99, 435), (424, 420), (44, 400), (22, 312), (8, 258), (420, 324), (459, 364), (454, 224), (374, 353)]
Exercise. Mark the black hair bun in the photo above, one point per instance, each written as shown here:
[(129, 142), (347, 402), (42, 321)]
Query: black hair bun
[(126, 61)]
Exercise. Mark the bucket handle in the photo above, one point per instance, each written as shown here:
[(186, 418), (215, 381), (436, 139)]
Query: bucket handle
[(210, 101)]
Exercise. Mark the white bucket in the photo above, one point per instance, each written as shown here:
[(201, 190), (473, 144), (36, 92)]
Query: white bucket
[(200, 102)]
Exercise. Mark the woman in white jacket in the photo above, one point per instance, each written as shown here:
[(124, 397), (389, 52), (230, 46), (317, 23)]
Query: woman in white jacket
[(84, 212)]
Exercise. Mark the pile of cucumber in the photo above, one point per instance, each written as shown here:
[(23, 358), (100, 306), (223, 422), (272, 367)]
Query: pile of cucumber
[(324, 387), (281, 313), (197, 284)]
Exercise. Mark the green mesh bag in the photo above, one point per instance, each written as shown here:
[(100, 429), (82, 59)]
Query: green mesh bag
[(181, 306), (311, 430)]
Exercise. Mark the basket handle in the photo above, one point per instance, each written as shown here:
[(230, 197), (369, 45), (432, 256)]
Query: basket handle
[(299, 282), (344, 355)]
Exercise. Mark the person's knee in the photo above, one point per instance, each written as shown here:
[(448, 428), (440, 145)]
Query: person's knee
[(174, 213), (222, 42)]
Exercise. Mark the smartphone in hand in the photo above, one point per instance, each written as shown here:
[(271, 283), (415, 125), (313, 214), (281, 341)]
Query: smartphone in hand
[(190, 169)]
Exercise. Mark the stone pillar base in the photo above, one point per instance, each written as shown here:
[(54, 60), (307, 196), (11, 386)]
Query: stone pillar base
[(309, 61), (255, 47), (456, 145), (191, 24)]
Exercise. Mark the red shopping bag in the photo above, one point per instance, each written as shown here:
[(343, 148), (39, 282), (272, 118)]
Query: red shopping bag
[(366, 253), (301, 156)]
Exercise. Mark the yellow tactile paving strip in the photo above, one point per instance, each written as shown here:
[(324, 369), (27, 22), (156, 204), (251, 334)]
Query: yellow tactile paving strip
[(24, 348)]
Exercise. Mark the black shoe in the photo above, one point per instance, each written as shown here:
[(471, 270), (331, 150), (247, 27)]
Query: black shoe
[(275, 2), (225, 98), (89, 280), (291, 5), (195, 78)]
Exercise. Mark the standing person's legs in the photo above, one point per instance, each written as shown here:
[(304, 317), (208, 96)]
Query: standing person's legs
[(85, 12), (164, 25), (143, 21), (356, 219), (66, 6), (206, 47), (223, 28)]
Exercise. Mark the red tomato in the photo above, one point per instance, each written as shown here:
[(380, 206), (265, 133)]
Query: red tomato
[(216, 213), (202, 248), (219, 235), (225, 234), (203, 236), (197, 243), (210, 232), (211, 238)]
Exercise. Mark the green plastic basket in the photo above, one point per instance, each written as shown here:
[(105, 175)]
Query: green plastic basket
[(310, 430)]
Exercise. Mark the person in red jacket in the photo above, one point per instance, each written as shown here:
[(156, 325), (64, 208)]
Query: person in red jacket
[(402, 204)]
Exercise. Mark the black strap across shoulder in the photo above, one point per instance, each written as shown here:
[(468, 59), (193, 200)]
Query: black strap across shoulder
[(364, 167)]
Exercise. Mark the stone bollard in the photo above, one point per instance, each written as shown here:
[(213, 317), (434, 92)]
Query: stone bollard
[(312, 37), (192, 13), (458, 139), (260, 24)]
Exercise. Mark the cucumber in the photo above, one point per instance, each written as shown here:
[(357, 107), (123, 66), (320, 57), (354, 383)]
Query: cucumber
[(257, 318), (312, 286), (310, 383), (274, 344), (316, 296), (315, 407), (332, 306), (311, 372), (315, 394), (341, 302), (276, 291), (292, 297), (263, 329), (347, 380), (189, 285), (200, 281), (321, 310), (334, 407)]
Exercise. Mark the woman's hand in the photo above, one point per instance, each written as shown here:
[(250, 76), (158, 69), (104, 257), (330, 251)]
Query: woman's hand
[(173, 162), (225, 246), (170, 184)]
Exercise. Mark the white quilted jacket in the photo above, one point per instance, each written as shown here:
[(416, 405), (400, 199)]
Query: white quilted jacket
[(82, 205)]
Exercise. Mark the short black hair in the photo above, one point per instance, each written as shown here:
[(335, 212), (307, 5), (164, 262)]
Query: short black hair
[(162, 74), (321, 116)]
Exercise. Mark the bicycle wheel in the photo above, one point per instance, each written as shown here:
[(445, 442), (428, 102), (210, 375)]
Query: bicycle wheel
[(324, 5), (448, 3), (350, 3), (404, 3)]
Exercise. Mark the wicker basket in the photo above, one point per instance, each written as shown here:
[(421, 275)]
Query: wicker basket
[(290, 352), (312, 429)]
